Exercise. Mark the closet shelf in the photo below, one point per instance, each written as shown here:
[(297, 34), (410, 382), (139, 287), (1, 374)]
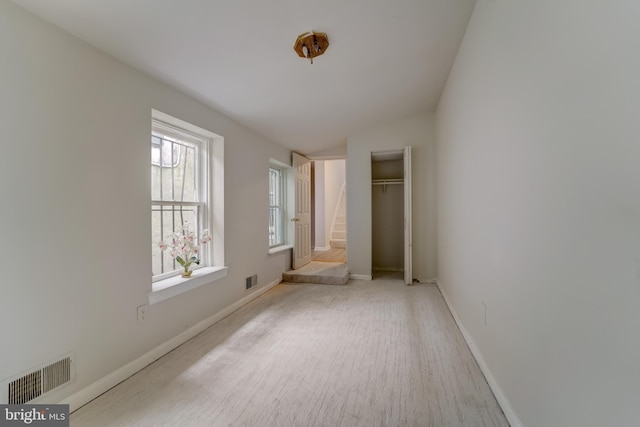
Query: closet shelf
[(385, 182)]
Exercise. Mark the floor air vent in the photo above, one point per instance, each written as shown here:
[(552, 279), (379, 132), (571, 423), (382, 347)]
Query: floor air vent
[(39, 381)]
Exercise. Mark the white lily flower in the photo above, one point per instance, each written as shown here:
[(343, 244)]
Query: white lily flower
[(184, 243)]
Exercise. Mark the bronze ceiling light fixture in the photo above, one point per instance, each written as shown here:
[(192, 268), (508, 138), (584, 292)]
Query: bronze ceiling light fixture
[(311, 44)]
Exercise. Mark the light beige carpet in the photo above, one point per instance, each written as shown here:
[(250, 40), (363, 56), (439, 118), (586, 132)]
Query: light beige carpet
[(373, 353), (330, 255)]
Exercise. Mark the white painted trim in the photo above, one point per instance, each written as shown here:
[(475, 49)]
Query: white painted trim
[(391, 269), (176, 285), (509, 413), (322, 249), (280, 248), (327, 157), (109, 381), (360, 276)]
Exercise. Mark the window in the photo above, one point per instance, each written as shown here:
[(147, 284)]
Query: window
[(179, 191), (281, 230), (276, 207), (187, 185)]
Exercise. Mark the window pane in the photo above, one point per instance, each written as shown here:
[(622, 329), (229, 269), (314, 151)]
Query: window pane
[(174, 169), (161, 152), (275, 226), (184, 182)]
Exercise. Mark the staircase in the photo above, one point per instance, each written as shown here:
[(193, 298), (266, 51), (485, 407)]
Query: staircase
[(339, 224)]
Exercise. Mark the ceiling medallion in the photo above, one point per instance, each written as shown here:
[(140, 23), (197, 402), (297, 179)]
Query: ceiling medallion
[(311, 44)]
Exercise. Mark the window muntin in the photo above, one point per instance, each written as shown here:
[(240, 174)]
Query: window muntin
[(178, 189), (165, 151), (174, 177), (276, 207)]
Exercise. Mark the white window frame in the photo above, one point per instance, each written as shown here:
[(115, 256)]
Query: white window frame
[(287, 177), (201, 204), (211, 186), (280, 205)]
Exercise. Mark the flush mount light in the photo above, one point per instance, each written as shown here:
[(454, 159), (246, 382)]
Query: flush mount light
[(311, 44)]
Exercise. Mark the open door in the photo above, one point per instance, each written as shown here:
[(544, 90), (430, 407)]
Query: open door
[(302, 240), (408, 266)]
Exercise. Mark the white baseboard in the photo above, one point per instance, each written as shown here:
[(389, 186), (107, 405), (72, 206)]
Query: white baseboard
[(322, 248), (387, 269), (509, 413), (360, 276), (94, 390)]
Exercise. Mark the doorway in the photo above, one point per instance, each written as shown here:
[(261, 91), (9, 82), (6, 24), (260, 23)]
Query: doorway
[(328, 206), (312, 205), (391, 214)]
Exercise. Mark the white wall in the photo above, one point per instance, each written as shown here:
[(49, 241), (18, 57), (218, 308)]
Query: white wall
[(75, 223), (539, 207), (416, 131), (328, 180), (320, 237), (334, 174)]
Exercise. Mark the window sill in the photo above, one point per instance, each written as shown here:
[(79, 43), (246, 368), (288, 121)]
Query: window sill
[(176, 285), (281, 248)]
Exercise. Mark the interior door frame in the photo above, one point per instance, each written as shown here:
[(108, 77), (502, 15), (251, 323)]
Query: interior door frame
[(408, 220)]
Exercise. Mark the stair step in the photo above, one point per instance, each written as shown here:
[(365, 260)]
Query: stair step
[(338, 243), (339, 226), (324, 273), (339, 235)]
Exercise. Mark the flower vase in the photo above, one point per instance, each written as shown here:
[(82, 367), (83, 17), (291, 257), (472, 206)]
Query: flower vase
[(187, 272)]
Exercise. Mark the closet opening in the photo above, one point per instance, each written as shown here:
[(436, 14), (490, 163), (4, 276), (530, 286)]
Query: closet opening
[(391, 214)]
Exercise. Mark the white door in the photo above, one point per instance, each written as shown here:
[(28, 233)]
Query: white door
[(302, 241), (408, 267)]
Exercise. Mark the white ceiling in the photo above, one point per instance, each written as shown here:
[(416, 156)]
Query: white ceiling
[(387, 58)]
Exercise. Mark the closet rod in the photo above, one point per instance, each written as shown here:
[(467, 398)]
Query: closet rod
[(385, 182)]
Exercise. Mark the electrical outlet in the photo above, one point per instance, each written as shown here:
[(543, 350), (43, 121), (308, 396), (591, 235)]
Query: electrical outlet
[(142, 312)]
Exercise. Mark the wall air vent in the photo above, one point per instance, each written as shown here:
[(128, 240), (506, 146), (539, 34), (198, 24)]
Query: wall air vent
[(37, 382)]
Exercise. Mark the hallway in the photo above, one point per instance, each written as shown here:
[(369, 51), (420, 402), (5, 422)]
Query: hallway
[(331, 255)]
